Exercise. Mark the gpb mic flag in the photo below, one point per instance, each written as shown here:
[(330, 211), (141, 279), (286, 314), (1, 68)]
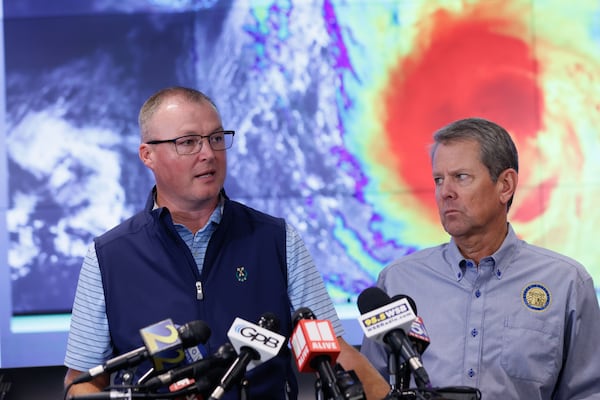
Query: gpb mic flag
[(255, 344), (313, 338), (246, 335)]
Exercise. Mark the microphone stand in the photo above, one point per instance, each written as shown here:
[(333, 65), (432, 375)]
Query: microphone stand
[(395, 378), (404, 373), (399, 378), (319, 390), (244, 384), (327, 380)]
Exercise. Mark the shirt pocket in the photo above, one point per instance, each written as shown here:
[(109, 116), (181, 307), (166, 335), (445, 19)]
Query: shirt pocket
[(530, 349)]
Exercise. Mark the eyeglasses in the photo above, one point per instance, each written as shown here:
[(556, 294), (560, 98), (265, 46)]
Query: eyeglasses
[(192, 144)]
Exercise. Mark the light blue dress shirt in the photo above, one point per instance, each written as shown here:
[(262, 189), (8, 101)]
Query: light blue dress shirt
[(523, 325), (89, 343)]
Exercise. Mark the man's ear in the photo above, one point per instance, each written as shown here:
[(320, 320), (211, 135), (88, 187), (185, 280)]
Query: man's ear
[(145, 154), (507, 184)]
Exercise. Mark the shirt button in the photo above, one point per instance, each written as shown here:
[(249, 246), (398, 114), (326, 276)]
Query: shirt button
[(474, 332), (478, 293), (471, 373)]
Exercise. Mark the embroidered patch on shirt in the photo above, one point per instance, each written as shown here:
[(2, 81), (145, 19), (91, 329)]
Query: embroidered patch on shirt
[(536, 296), (241, 274)]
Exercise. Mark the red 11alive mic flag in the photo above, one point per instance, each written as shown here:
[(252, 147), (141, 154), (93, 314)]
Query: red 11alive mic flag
[(315, 348), (312, 339)]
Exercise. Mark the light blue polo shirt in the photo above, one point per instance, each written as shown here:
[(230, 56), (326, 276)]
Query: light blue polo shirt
[(524, 324)]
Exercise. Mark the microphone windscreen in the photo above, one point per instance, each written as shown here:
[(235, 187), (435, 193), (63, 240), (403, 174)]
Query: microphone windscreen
[(302, 313), (372, 298), (412, 303), (193, 333), (269, 321)]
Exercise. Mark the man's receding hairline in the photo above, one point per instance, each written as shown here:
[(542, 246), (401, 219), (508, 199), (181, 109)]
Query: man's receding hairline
[(159, 104)]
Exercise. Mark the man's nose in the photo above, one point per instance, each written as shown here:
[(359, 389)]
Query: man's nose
[(446, 189)]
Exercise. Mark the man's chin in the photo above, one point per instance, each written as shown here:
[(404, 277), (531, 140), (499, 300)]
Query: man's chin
[(453, 229)]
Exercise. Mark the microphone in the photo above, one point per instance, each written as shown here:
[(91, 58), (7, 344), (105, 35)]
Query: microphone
[(255, 344), (315, 348), (165, 357), (223, 357), (387, 322), (196, 389), (159, 339), (400, 374), (417, 334)]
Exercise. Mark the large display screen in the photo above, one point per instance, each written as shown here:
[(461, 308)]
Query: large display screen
[(334, 103)]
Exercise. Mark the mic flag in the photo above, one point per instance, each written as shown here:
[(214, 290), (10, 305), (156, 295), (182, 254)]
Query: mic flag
[(387, 322), (162, 336), (379, 316), (417, 334), (166, 343), (246, 335), (313, 338), (316, 348), (160, 339), (222, 358), (255, 344)]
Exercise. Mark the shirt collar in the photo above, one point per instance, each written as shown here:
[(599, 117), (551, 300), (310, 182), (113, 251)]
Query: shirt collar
[(216, 215), (500, 260)]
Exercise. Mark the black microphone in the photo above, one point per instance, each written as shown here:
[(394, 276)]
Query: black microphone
[(196, 388), (388, 321), (223, 357), (255, 344), (417, 334), (400, 373), (159, 338), (315, 348)]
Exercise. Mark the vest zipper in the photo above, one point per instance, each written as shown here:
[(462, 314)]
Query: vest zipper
[(199, 292)]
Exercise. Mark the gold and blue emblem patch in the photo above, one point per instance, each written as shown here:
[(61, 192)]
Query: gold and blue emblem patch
[(536, 296), (241, 274)]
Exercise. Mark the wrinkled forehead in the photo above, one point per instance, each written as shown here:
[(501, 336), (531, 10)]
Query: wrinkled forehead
[(455, 143)]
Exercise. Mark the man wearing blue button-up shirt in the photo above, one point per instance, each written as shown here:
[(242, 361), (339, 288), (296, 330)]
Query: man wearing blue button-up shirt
[(514, 320)]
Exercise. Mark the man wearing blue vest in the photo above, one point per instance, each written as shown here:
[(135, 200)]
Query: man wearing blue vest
[(194, 254)]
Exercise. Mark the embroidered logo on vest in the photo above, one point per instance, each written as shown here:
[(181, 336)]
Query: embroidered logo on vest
[(536, 297), (241, 274)]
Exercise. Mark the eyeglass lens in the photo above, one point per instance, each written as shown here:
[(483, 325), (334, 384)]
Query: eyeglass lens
[(193, 143)]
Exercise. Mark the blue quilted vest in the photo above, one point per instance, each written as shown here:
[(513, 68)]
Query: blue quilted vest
[(149, 274)]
